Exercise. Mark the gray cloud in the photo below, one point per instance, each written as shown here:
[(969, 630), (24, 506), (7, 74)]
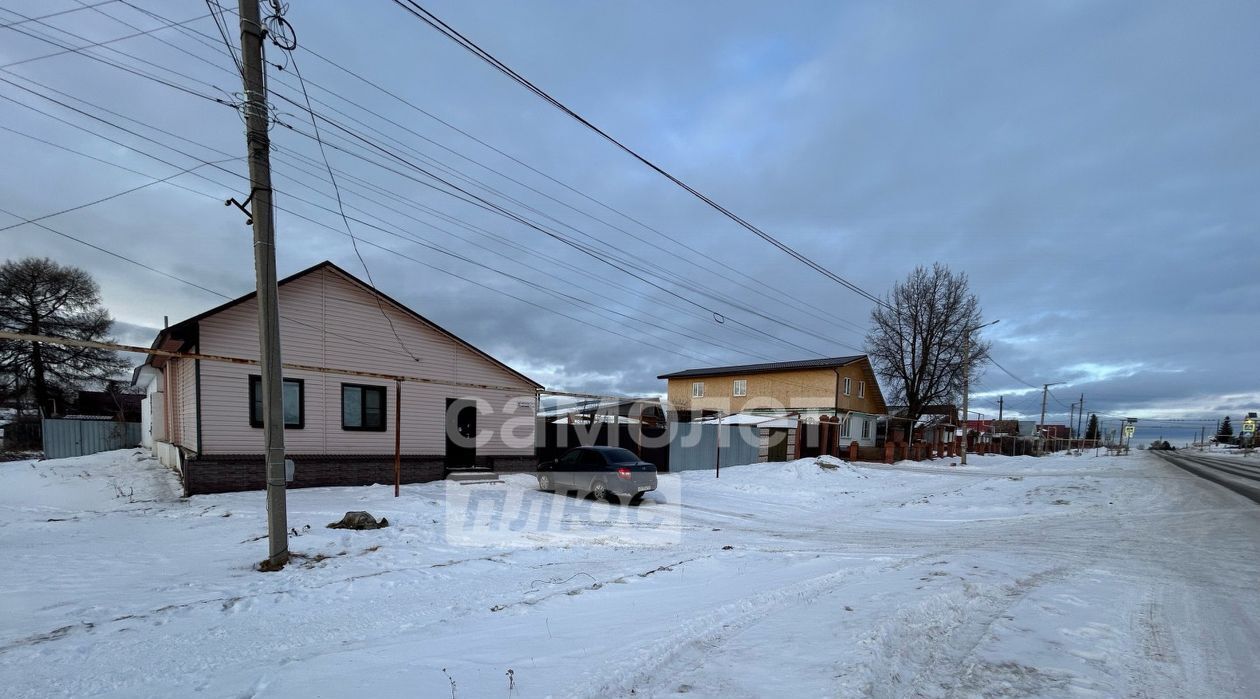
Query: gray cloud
[(1091, 166)]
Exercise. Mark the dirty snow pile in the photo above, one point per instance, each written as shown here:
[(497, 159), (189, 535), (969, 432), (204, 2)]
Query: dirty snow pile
[(1060, 576)]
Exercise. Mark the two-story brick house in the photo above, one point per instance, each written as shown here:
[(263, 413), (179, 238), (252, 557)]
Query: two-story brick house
[(841, 386)]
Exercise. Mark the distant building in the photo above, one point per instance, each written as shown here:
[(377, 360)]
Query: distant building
[(845, 387), (109, 404)]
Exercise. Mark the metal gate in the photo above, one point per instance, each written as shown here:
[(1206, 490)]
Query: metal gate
[(695, 446), (65, 438)]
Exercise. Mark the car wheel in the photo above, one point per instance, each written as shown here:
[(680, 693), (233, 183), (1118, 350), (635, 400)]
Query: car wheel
[(545, 482), (599, 490), (636, 499)]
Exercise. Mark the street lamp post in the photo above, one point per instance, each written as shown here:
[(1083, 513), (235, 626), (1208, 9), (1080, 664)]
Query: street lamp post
[(966, 381)]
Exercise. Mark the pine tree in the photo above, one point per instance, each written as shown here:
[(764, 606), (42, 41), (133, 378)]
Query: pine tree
[(1091, 431), (41, 297), (1226, 434)]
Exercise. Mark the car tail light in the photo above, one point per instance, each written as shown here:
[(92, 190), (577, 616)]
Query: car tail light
[(623, 473)]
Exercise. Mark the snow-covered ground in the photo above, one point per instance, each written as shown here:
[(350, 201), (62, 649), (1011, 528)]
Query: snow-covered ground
[(1060, 576)]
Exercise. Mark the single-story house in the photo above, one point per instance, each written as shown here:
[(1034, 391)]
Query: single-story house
[(620, 410), (457, 405), (843, 387)]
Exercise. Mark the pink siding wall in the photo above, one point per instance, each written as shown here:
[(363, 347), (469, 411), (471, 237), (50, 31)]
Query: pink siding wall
[(357, 338)]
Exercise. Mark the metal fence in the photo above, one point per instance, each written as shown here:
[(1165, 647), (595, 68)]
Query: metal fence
[(694, 445), (65, 438)]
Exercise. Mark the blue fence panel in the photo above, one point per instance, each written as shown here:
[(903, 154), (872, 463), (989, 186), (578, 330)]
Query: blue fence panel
[(694, 446), (66, 438)]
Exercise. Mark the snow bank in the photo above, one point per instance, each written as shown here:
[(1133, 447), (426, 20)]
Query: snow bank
[(111, 480)]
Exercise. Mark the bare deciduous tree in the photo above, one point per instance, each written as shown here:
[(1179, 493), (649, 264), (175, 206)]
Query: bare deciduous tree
[(41, 297), (916, 339)]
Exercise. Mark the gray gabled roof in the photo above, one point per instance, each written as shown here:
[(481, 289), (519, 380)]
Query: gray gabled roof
[(827, 363)]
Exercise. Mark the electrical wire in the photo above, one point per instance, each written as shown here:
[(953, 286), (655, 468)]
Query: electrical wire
[(85, 6), (276, 18), (419, 12), (491, 207), (81, 50), (94, 202), (220, 152), (668, 349), (817, 311)]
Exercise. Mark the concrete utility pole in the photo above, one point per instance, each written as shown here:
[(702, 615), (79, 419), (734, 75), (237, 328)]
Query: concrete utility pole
[(1041, 427), (1079, 415), (966, 380), (259, 145)]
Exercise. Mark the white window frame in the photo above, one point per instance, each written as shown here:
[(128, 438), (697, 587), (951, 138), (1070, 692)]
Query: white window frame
[(861, 389), (844, 426), (697, 389), (848, 386), (866, 428), (740, 388)]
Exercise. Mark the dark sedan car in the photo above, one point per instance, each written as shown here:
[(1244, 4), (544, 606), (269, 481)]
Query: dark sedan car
[(607, 473)]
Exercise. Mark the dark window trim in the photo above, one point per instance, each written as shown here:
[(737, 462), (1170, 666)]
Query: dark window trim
[(255, 385), (363, 406)]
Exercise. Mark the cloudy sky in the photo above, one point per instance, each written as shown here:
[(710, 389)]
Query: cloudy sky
[(1092, 166)]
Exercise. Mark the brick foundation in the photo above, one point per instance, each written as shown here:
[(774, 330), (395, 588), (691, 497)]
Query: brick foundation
[(230, 473)]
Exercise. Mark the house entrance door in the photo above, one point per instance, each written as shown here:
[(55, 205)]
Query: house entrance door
[(461, 433)]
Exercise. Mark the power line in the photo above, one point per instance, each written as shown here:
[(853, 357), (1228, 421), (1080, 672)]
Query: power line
[(109, 197), (667, 349), (81, 50), (339, 66), (557, 295), (490, 206), (1008, 373), (276, 7), (513, 216), (50, 15), (464, 195), (216, 11), (419, 12)]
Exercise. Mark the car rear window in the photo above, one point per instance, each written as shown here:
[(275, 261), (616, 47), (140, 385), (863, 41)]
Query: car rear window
[(621, 456)]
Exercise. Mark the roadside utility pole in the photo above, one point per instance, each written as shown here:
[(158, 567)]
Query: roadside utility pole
[(259, 145), (1041, 427), (966, 382), (1080, 414)]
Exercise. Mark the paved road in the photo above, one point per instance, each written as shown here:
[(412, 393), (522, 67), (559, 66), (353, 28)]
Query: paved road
[(1239, 474)]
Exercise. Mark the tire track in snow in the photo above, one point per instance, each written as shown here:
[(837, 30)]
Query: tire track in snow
[(706, 632), (927, 649), (1162, 673)]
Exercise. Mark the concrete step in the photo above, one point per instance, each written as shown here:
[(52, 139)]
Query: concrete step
[(472, 475)]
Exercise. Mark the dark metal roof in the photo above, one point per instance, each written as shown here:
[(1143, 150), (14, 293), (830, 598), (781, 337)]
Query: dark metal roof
[(827, 363)]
